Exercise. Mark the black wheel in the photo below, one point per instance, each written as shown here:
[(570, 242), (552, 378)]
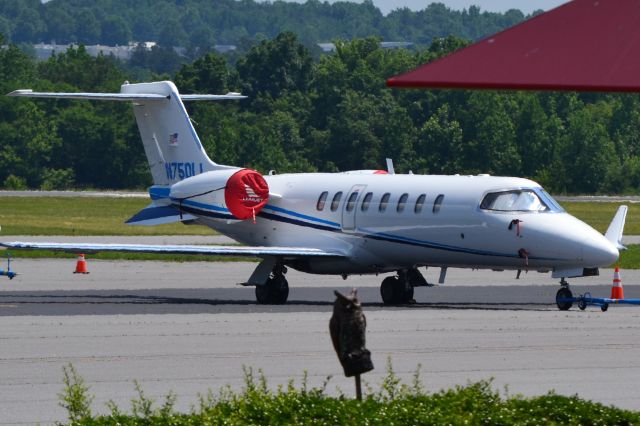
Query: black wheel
[(274, 292), (263, 295), (390, 291), (604, 307), (407, 294), (394, 291), (564, 299), (582, 304), (280, 290)]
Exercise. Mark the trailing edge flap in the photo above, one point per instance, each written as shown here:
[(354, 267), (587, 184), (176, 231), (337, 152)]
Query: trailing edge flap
[(158, 215), (236, 251)]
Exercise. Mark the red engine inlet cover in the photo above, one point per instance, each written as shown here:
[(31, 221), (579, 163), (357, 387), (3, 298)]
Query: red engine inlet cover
[(246, 193)]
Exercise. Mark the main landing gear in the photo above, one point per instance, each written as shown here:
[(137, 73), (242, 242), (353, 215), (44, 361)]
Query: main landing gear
[(276, 290), (397, 290), (564, 296)]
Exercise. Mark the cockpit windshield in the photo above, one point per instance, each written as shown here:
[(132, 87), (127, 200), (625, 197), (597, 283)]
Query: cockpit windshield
[(520, 200)]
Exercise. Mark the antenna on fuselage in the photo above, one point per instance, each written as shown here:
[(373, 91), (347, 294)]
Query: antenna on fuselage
[(390, 167)]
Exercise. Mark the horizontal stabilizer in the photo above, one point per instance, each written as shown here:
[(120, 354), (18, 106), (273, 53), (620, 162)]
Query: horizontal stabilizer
[(28, 93), (236, 251), (158, 215)]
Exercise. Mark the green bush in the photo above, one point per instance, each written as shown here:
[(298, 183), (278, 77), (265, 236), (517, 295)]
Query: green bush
[(394, 404), (57, 179), (13, 182)]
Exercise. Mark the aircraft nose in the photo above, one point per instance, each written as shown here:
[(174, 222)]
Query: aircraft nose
[(598, 251)]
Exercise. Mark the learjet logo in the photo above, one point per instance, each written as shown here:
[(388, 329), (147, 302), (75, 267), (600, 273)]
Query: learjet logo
[(251, 195)]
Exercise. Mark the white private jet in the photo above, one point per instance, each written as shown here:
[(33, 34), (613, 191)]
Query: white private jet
[(357, 222)]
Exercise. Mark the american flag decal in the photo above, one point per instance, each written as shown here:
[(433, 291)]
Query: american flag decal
[(173, 139)]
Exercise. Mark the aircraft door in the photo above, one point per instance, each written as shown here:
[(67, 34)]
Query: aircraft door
[(350, 208)]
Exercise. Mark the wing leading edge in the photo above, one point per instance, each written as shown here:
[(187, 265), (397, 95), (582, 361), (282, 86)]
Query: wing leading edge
[(241, 251)]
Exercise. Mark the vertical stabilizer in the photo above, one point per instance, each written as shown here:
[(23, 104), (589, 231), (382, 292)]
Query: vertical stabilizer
[(171, 144)]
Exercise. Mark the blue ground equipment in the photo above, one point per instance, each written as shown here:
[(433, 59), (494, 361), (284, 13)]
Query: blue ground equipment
[(604, 302), (8, 272)]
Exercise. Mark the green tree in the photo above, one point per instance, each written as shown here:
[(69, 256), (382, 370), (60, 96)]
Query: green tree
[(115, 31), (276, 66), (439, 143), (88, 30), (209, 74), (585, 150), (490, 135), (28, 142), (77, 68)]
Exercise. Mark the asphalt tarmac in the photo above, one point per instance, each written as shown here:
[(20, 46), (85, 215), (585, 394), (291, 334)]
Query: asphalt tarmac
[(188, 328)]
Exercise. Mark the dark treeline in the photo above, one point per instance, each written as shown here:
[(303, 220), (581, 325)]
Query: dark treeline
[(198, 24), (331, 114)]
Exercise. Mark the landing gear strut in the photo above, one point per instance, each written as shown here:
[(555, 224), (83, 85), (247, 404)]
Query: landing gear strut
[(276, 290), (399, 289), (564, 297)]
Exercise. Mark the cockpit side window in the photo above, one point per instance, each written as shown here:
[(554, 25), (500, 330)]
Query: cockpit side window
[(518, 200), (549, 200)]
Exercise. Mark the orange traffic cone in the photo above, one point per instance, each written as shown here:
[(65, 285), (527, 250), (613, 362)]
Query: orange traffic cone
[(81, 265), (616, 288)]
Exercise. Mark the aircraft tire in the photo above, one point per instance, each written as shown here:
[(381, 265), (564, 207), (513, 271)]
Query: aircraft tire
[(407, 295), (564, 293), (390, 290), (274, 292)]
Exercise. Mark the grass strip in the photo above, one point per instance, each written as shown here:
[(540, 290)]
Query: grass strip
[(600, 215), (106, 216), (80, 216)]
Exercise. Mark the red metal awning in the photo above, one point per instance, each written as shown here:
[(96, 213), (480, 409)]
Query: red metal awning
[(586, 45)]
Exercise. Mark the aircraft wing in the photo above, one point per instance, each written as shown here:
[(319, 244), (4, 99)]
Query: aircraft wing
[(241, 251)]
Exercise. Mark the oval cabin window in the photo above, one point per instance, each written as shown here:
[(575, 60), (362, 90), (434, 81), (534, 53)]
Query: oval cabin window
[(383, 202), (438, 203), (366, 201), (420, 203), (321, 200), (336, 201)]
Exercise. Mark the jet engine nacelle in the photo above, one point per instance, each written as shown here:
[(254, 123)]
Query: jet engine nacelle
[(244, 192)]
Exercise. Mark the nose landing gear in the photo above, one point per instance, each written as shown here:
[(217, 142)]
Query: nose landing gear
[(564, 296)]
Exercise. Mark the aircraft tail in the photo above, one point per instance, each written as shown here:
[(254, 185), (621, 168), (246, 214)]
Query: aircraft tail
[(173, 149)]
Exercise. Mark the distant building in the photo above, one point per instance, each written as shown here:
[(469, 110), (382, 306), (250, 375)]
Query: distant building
[(44, 51), (330, 47)]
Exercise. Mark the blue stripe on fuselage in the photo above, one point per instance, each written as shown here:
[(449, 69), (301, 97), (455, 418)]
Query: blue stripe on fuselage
[(302, 216), (321, 224)]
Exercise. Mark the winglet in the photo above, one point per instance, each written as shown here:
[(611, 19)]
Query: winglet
[(614, 232)]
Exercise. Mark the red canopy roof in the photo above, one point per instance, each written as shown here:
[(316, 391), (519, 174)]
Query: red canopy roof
[(587, 45)]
